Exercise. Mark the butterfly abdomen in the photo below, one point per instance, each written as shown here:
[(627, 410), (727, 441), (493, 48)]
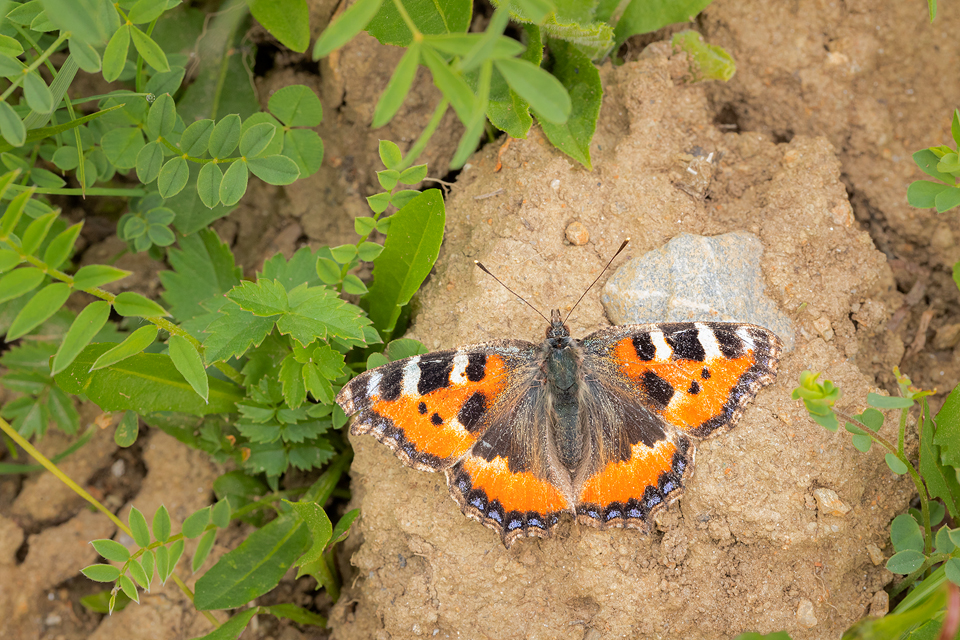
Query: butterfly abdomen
[(564, 381)]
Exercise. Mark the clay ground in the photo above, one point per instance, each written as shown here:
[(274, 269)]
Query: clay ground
[(814, 136)]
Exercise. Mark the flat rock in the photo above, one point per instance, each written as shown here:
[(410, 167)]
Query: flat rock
[(696, 278)]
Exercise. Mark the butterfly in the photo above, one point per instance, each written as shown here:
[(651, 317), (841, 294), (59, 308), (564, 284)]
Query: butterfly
[(603, 428)]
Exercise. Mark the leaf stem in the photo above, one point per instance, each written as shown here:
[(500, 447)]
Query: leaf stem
[(33, 66), (417, 36)]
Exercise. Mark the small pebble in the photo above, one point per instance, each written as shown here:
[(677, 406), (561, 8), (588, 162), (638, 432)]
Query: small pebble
[(876, 556), (577, 234), (830, 503), (805, 616)]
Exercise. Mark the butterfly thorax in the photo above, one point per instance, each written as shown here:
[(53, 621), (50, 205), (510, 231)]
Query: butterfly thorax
[(563, 373)]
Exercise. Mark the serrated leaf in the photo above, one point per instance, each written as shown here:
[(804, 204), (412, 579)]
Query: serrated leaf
[(203, 269), (233, 332), (320, 529), (317, 312)]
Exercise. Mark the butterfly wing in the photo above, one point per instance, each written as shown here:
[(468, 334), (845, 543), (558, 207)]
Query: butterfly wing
[(651, 389), (431, 409)]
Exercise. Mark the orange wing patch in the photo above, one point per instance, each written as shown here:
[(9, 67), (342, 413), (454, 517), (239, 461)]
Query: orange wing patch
[(514, 491), (622, 481), (443, 421)]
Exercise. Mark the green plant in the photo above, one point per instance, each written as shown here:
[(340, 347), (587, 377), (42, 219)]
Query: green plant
[(940, 162), (927, 551), (487, 76)]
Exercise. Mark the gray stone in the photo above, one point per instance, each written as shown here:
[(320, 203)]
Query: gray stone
[(696, 278)]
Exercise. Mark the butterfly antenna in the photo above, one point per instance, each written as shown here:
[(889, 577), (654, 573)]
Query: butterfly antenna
[(487, 271), (622, 246)]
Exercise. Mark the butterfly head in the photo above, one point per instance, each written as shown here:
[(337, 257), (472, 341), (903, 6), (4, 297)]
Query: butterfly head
[(557, 329)]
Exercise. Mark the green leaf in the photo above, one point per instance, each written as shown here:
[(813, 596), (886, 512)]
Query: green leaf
[(354, 285), (710, 62), (253, 568), (220, 515), (37, 93), (20, 281), (287, 21), (208, 184), (388, 178), (8, 260), (111, 550), (101, 572), (343, 526), (138, 527), (923, 193), (368, 251), (645, 16), (138, 574), (60, 247), (404, 348), (888, 402), (161, 118), (133, 304), (86, 56), (390, 154), (196, 137), (344, 253), (927, 160), (39, 308), (163, 563), (66, 158), (89, 21), (232, 628), (149, 162), (11, 126), (203, 270), (955, 127), (234, 183), (948, 428), (36, 232), (278, 169), (398, 87), (127, 430), (297, 614), (203, 550), (905, 533), (161, 526), (453, 86), (939, 482), (46, 179), (122, 146), (895, 464), (305, 148), (10, 47), (15, 209), (97, 275), (225, 137), (905, 562), (411, 248), (952, 570), (149, 50), (296, 105), (146, 11), (581, 80), (234, 332), (328, 271), (131, 346), (344, 28), (115, 55), (363, 226), (195, 523), (320, 530), (947, 199), (317, 312), (188, 362), (430, 17), (145, 383), (173, 177), (544, 93), (255, 139), (413, 175)]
